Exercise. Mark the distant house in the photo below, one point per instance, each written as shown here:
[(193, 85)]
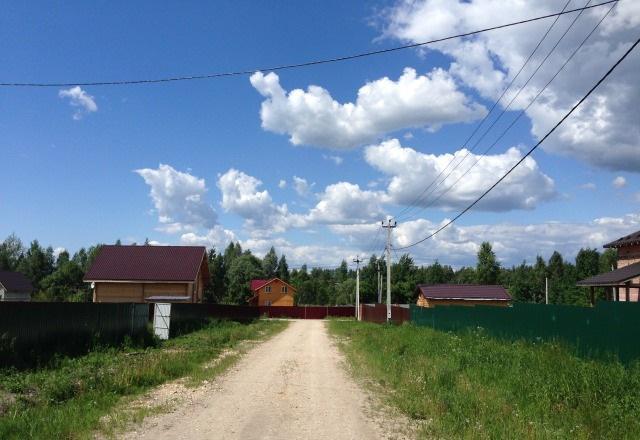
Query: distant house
[(14, 286), (273, 292), (431, 295), (622, 284), (149, 274)]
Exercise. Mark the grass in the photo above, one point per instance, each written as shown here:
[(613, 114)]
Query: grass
[(70, 397), (469, 385)]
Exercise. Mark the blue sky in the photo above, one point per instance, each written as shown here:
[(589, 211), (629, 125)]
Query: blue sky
[(71, 181)]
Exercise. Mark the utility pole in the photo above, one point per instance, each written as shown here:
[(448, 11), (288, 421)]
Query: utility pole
[(546, 290), (379, 283), (357, 261), (389, 226)]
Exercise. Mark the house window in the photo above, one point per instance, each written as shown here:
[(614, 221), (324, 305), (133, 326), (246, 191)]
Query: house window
[(267, 289), (267, 303), (284, 289)]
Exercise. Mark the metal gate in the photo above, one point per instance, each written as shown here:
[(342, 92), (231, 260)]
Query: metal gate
[(162, 320)]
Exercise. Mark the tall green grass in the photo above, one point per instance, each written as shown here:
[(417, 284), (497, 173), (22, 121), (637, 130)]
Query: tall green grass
[(68, 399), (469, 385)]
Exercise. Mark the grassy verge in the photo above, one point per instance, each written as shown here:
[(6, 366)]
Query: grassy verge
[(469, 385), (68, 399)]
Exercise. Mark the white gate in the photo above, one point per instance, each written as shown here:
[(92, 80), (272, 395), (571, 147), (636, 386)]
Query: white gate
[(162, 320)]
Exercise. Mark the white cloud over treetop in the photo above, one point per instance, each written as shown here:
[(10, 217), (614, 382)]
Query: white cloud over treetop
[(179, 199), (412, 171), (458, 245), (313, 117), (80, 99), (605, 131)]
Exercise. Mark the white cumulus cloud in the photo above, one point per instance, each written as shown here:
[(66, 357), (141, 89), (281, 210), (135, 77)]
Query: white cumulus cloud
[(458, 245), (619, 182), (604, 132), (344, 202), (301, 186), (80, 99), (412, 171), (313, 117), (179, 199), (241, 195)]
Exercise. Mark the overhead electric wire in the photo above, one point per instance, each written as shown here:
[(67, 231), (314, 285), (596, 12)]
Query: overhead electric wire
[(290, 66), (517, 118), (464, 144), (531, 150)]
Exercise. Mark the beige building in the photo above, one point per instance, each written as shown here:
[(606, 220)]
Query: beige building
[(149, 274), (432, 295)]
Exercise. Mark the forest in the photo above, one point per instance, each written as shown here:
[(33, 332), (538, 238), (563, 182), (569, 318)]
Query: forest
[(59, 277)]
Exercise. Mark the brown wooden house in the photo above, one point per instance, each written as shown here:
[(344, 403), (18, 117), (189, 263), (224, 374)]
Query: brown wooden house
[(622, 284), (149, 274), (273, 292), (431, 295)]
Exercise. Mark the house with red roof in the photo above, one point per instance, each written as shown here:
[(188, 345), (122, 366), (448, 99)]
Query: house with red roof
[(432, 295), (273, 292), (149, 274)]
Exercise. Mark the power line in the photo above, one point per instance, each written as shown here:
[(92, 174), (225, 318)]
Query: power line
[(517, 118), (464, 144), (295, 65), (595, 86)]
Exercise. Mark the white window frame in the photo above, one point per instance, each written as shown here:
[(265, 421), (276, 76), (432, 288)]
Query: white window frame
[(284, 289), (267, 289)]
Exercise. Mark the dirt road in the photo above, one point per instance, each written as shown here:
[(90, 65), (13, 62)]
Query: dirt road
[(293, 386)]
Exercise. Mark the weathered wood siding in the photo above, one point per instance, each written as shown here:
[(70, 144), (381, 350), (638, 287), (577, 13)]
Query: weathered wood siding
[(424, 302), (137, 292)]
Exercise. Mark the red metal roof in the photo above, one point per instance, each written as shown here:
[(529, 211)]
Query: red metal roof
[(147, 263), (464, 291), (15, 282), (256, 284)]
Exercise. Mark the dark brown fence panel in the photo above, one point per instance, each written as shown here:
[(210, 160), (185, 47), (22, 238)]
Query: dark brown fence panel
[(33, 331), (188, 317), (342, 311), (306, 312), (283, 312), (378, 313)]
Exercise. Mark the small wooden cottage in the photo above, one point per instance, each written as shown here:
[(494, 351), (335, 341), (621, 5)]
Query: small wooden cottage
[(149, 274), (14, 286), (273, 292), (431, 295)]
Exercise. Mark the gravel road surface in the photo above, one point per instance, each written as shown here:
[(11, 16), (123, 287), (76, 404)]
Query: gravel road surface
[(293, 386)]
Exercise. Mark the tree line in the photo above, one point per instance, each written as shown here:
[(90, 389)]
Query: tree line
[(59, 278), (233, 269)]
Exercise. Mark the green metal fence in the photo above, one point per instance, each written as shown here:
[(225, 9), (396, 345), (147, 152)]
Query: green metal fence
[(610, 328), (36, 330)]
